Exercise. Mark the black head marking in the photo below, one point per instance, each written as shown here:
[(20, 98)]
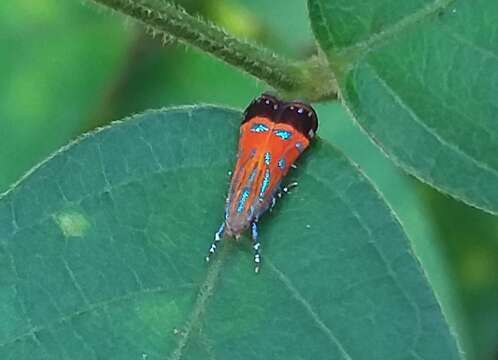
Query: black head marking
[(266, 105), (300, 116)]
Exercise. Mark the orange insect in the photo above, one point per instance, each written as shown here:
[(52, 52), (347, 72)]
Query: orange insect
[(273, 134)]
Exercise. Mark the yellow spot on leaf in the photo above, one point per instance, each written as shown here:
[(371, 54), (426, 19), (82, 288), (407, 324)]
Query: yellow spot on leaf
[(72, 223)]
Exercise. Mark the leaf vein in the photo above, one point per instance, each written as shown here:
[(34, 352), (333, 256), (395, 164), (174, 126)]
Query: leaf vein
[(390, 271), (480, 49), (96, 306), (401, 103), (378, 38), (309, 309)]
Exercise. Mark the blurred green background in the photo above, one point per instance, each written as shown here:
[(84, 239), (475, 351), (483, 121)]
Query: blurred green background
[(68, 67)]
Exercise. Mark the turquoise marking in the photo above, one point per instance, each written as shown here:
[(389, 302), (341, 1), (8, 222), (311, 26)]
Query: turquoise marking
[(265, 184), (243, 199), (267, 158), (281, 163), (259, 128), (283, 134)]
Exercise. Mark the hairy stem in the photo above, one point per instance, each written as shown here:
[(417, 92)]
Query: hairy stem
[(167, 19)]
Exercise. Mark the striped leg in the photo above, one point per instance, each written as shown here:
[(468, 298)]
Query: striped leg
[(273, 201), (280, 193), (286, 189), (217, 239), (256, 245)]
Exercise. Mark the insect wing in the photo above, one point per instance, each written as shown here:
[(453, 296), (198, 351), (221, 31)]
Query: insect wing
[(272, 136), (266, 152), (249, 173)]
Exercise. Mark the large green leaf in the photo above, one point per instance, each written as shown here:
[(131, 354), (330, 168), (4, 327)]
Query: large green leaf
[(421, 77), (408, 198), (102, 248)]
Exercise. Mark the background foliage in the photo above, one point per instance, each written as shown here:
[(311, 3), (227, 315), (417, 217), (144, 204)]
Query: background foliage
[(69, 67)]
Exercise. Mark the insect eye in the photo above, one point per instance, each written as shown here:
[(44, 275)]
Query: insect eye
[(302, 117), (264, 106), (268, 101)]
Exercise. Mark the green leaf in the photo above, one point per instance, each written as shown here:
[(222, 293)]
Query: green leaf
[(421, 78), (102, 256), (408, 198)]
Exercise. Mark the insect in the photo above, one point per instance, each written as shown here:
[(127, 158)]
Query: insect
[(273, 134)]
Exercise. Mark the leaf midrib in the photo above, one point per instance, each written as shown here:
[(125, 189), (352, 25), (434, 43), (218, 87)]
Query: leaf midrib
[(215, 269), (205, 292)]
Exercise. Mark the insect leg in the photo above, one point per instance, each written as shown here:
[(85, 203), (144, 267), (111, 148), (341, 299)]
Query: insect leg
[(286, 189), (280, 192), (216, 241), (273, 201), (256, 245)]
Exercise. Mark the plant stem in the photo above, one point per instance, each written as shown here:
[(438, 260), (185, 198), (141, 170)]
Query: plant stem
[(169, 20)]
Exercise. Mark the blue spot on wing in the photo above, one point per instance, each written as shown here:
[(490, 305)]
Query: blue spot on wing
[(259, 128), (283, 134), (242, 200), (267, 158), (265, 184), (281, 163)]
